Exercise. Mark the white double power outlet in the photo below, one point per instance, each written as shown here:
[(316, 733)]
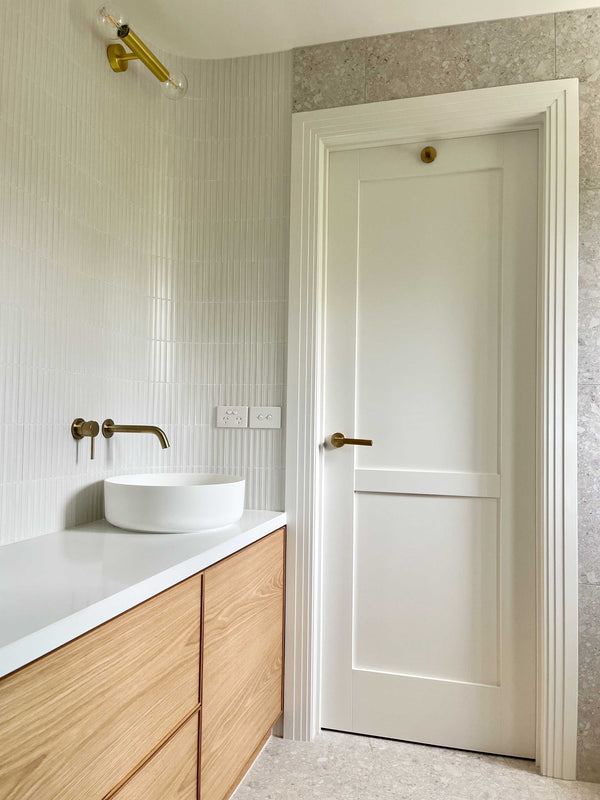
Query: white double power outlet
[(232, 416), (243, 417)]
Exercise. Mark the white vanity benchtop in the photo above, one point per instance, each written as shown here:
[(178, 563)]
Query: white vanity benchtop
[(55, 587)]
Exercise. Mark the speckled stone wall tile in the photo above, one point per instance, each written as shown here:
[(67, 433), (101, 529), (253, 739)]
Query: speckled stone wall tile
[(452, 59), (589, 135), (589, 244), (588, 749), (589, 287), (578, 44), (329, 75), (588, 426), (578, 56), (589, 340)]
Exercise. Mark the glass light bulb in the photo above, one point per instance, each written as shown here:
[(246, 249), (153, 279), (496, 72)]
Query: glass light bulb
[(109, 19), (175, 86)]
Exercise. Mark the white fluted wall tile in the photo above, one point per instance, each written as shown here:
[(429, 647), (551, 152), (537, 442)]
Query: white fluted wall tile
[(143, 264)]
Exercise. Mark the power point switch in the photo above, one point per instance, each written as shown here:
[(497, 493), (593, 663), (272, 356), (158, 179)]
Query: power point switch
[(265, 417)]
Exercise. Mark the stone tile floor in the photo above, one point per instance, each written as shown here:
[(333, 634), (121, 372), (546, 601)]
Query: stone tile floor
[(339, 766)]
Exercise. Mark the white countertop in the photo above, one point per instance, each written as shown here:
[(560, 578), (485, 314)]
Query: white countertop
[(55, 587)]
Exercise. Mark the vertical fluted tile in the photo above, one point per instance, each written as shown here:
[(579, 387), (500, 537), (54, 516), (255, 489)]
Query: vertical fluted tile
[(236, 289), (128, 288)]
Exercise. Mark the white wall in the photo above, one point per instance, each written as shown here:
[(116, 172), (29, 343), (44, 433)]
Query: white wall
[(143, 263)]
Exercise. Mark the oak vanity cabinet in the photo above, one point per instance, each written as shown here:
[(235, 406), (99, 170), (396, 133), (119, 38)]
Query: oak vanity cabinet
[(117, 715)]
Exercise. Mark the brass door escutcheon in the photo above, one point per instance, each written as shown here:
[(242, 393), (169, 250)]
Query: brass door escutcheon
[(428, 154)]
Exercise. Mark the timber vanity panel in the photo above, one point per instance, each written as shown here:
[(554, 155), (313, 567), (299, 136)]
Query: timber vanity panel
[(242, 661), (75, 722), (172, 773)]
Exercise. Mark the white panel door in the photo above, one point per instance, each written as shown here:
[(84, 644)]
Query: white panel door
[(429, 535)]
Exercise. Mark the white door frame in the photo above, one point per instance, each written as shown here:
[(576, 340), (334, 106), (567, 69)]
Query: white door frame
[(552, 108)]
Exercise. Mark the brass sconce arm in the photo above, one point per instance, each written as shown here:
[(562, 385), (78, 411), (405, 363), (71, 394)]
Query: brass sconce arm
[(118, 56)]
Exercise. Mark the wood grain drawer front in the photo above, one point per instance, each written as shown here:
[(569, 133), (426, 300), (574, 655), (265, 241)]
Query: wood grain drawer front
[(172, 773), (242, 661), (75, 722)]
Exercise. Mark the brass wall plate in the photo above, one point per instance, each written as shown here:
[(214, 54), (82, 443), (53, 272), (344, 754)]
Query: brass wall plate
[(76, 428), (116, 53), (106, 428), (428, 154)]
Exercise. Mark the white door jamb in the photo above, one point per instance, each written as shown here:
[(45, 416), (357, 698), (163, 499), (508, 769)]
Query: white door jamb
[(552, 108)]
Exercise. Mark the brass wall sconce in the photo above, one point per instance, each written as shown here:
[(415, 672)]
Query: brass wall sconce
[(113, 23)]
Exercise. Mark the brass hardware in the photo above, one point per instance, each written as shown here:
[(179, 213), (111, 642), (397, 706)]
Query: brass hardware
[(119, 57), (428, 154), (339, 440), (81, 428), (113, 24), (146, 56), (109, 429)]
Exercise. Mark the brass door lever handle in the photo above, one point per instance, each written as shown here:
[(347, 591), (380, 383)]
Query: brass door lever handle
[(339, 440), (81, 428)]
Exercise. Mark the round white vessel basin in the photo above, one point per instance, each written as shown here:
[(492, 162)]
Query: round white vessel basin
[(175, 502)]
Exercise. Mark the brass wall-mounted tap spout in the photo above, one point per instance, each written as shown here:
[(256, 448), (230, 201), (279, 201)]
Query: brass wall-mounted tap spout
[(109, 428)]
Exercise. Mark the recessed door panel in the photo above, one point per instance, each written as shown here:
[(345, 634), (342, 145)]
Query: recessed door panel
[(423, 616), (427, 320)]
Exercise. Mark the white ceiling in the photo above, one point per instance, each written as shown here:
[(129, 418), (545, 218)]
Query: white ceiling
[(229, 28)]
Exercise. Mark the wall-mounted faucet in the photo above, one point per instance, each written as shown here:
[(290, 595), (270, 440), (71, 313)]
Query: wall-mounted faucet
[(81, 428), (109, 428)]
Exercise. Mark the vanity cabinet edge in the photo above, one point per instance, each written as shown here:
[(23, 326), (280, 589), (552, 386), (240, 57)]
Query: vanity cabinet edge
[(242, 687)]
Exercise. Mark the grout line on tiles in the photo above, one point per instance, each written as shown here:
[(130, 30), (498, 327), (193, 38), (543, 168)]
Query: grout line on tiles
[(555, 48)]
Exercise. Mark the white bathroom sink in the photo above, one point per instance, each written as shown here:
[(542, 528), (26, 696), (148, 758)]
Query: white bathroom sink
[(175, 502)]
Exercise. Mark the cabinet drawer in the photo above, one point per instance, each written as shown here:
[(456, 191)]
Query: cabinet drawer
[(75, 722), (171, 774)]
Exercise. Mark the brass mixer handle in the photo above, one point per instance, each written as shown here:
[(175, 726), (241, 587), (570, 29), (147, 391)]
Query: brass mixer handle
[(81, 428), (90, 428)]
